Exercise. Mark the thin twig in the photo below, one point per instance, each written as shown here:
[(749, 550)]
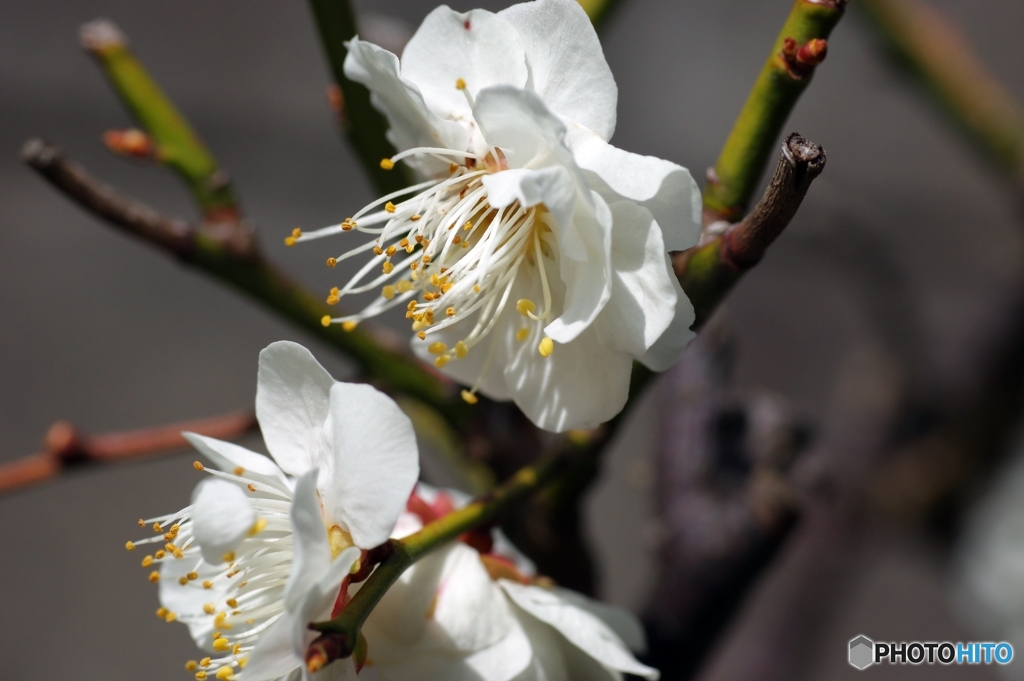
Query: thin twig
[(66, 448)]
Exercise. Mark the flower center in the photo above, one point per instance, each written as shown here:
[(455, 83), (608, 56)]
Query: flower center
[(447, 255)]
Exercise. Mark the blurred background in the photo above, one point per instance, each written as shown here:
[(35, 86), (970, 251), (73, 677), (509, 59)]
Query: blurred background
[(903, 264)]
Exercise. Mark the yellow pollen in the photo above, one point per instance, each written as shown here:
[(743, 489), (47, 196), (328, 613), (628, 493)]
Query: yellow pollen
[(388, 292), (414, 218), (457, 240), (445, 288), (377, 250), (452, 167), (350, 325), (205, 662), (191, 666), (192, 576), (525, 306), (426, 259), (250, 621), (228, 557), (461, 349), (130, 546), (221, 644), (161, 613), (326, 320), (460, 84), (170, 617), (232, 603), (468, 226), (242, 661), (436, 348), (289, 241), (156, 526), (154, 576), (465, 244), (347, 225), (207, 584), (147, 561), (469, 397), (522, 334), (183, 581), (257, 527), (251, 487), (546, 347), (339, 540), (296, 232), (390, 207), (209, 610), (160, 554), (404, 286), (435, 280), (179, 554), (142, 523), (199, 467), (388, 267), (171, 548), (413, 265), (200, 675), (390, 250), (410, 248), (387, 163), (411, 306), (404, 243), (442, 360), (331, 262), (450, 312), (237, 648), (422, 335), (224, 673), (332, 300)]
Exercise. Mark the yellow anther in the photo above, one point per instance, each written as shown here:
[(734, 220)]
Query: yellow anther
[(224, 673), (192, 576), (205, 662), (469, 397), (377, 250), (142, 523), (442, 360), (251, 487), (422, 335), (232, 603), (332, 300), (435, 280), (452, 167), (157, 527), (179, 554), (289, 241), (426, 259), (390, 207), (161, 613), (296, 232), (410, 248), (243, 584), (445, 288), (326, 320), (347, 225), (207, 584), (388, 292), (476, 287), (257, 527), (191, 666), (237, 648), (331, 262), (356, 567), (546, 347), (130, 546), (404, 286), (522, 334), (171, 548), (209, 610), (242, 661), (250, 621), (154, 576), (465, 244), (239, 470), (457, 240), (221, 644), (199, 467), (388, 267), (228, 557), (350, 325), (200, 675), (468, 226), (404, 243), (390, 250), (182, 580), (414, 218), (460, 84), (147, 561), (450, 311), (461, 349), (436, 348), (413, 265), (525, 306), (160, 554), (412, 305), (387, 163), (170, 617)]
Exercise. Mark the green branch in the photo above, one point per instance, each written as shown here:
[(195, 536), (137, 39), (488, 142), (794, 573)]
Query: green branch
[(799, 48), (176, 144), (931, 48)]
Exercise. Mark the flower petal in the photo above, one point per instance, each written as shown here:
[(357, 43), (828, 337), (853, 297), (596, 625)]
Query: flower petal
[(551, 186), (312, 556), (292, 402), (222, 516), (664, 188), (643, 298), (667, 349), (624, 623), (471, 610), (274, 655), (567, 65), (373, 464), (578, 626), (228, 456), (478, 47), (317, 602), (413, 124), (187, 600), (485, 363)]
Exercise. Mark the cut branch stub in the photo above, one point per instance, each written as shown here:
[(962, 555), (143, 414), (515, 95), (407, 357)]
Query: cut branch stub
[(707, 272)]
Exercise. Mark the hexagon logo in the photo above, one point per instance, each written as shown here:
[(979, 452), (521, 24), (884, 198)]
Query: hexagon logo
[(862, 652)]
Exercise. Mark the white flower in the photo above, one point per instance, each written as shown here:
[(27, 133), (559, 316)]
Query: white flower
[(533, 257), (266, 544), (462, 615)]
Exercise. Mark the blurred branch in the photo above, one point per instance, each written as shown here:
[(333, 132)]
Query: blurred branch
[(248, 271), (799, 48), (707, 272), (931, 48), (365, 126), (67, 448), (175, 143), (340, 634)]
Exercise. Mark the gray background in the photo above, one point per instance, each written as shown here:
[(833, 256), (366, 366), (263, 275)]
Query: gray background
[(100, 330)]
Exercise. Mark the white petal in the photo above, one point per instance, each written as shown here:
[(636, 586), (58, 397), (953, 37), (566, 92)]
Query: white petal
[(413, 124), (624, 623), (292, 402), (667, 349), (664, 188), (588, 282), (581, 385), (485, 361), (471, 610), (643, 298), (318, 601), (312, 556), (274, 655), (567, 64), (227, 456), (551, 186), (504, 660), (222, 516), (479, 47), (548, 661), (339, 670), (579, 627), (368, 477), (187, 600)]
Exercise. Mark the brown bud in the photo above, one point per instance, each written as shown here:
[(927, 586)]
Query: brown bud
[(813, 53), (132, 142)]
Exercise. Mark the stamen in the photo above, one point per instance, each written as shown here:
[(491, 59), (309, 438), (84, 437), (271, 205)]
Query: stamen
[(546, 347)]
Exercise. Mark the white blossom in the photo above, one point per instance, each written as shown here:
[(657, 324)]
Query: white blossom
[(532, 258)]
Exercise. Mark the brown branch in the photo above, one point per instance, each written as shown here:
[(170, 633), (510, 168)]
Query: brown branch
[(66, 447)]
